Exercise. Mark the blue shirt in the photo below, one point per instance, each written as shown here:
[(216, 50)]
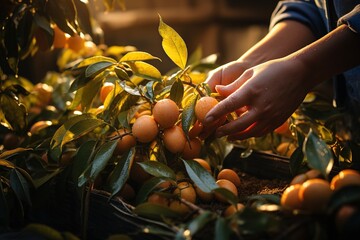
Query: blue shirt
[(322, 16)]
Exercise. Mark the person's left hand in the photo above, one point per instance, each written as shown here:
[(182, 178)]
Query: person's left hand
[(270, 93)]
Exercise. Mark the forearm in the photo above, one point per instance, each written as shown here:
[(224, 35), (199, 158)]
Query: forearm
[(284, 38), (334, 53)]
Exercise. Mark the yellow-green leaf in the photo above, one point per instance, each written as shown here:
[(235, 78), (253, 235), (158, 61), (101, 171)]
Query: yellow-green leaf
[(173, 45), (145, 70), (138, 56)]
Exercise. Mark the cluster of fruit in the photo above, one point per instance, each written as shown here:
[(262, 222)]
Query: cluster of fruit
[(311, 193)]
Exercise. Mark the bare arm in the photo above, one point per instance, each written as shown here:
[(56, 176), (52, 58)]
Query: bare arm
[(273, 90)]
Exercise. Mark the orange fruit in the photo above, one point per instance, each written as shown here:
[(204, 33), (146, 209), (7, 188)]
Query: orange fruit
[(125, 142), (195, 130), (11, 141), (344, 178), (205, 164), (230, 175), (315, 194), (159, 199), (166, 113), (290, 197), (284, 129), (232, 209), (43, 92), (76, 43), (59, 38), (186, 191), (343, 214), (203, 106), (313, 173), (192, 149), (174, 139), (204, 196), (105, 90), (224, 183), (145, 129)]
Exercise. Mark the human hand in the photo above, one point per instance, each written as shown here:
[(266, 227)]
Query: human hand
[(226, 73), (269, 93)]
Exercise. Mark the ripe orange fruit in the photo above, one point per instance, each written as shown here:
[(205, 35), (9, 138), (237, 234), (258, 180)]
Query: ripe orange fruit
[(344, 178), (59, 38), (232, 209), (125, 142), (11, 141), (192, 149), (343, 214), (224, 183), (145, 129), (203, 106), (205, 164), (290, 197), (166, 113), (76, 43), (230, 175), (186, 191), (195, 130), (105, 90), (43, 93), (315, 194), (174, 139), (313, 173), (284, 129), (299, 179), (286, 149), (204, 196), (156, 198)]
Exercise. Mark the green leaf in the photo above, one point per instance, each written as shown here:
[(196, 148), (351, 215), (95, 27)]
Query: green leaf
[(121, 172), (81, 128), (227, 194), (83, 158), (200, 176), (173, 45), (200, 222), (155, 211), (177, 92), (222, 229), (148, 187), (137, 56), (157, 169), (94, 69), (102, 157), (318, 154), (188, 114), (57, 139), (92, 60), (145, 70), (20, 186), (15, 113), (121, 74)]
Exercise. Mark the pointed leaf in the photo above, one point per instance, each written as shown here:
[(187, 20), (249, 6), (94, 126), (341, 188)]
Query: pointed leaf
[(20, 186), (121, 172), (82, 158), (200, 176), (177, 92), (318, 153), (102, 157), (200, 222), (148, 187), (188, 114), (96, 68), (137, 56), (6, 164), (81, 128), (222, 229), (157, 169), (145, 70), (173, 45), (227, 194)]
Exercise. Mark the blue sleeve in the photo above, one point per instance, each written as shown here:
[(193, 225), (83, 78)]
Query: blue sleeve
[(352, 19), (304, 11)]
